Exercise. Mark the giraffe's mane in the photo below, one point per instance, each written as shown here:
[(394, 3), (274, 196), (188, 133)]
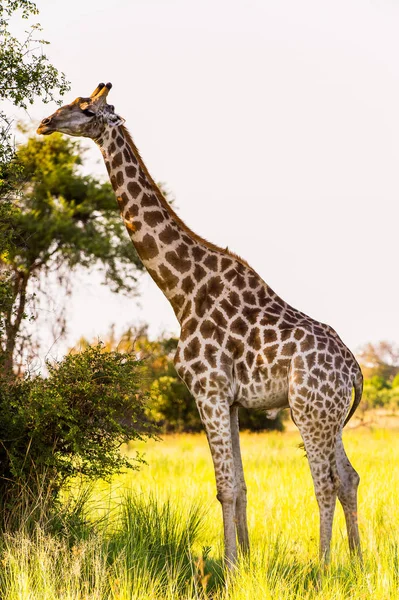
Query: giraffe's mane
[(168, 207)]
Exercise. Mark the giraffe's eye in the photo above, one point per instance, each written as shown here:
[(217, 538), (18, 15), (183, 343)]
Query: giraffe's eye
[(88, 112)]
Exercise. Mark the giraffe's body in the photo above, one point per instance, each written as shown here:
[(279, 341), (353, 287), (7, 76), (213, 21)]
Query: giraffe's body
[(240, 344)]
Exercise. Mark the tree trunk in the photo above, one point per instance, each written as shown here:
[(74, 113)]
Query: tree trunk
[(12, 326)]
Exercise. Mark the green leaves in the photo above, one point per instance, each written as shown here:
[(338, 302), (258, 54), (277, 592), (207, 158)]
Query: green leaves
[(9, 6), (25, 74), (66, 218), (59, 221), (74, 421)]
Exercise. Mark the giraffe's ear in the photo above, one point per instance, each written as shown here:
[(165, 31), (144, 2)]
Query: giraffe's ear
[(88, 108), (86, 105)]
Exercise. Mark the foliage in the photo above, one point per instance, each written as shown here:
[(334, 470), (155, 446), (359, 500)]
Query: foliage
[(395, 382), (380, 393), (171, 405), (25, 74), (72, 422), (380, 366), (67, 217), (381, 359), (62, 220), (256, 420)]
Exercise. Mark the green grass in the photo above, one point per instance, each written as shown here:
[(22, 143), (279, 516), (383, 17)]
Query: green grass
[(157, 533)]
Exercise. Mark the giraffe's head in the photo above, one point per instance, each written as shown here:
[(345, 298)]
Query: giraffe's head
[(86, 117)]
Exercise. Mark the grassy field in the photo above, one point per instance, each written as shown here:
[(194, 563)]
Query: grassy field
[(157, 533)]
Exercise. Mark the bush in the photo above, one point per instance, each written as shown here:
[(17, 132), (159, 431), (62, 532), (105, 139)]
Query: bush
[(379, 393), (395, 383), (256, 420), (72, 422), (172, 406)]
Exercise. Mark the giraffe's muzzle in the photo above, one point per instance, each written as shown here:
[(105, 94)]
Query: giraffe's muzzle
[(45, 127)]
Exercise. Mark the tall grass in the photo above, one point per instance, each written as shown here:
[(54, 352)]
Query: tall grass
[(143, 551), (157, 534)]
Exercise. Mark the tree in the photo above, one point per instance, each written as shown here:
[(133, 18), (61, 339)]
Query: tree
[(25, 74), (61, 220), (381, 359), (54, 219)]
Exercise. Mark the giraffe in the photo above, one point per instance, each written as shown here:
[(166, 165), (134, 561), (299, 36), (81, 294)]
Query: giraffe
[(240, 344)]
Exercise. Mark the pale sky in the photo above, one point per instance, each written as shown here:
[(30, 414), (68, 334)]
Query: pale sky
[(275, 124)]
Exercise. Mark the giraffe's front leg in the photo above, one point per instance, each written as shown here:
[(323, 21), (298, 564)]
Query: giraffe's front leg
[(216, 420)]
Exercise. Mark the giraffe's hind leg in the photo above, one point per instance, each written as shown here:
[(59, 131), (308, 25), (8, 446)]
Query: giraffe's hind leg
[(325, 479), (347, 495), (319, 437), (241, 498)]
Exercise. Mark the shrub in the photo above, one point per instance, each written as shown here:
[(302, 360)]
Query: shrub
[(395, 383), (379, 393), (72, 422), (256, 420), (172, 406)]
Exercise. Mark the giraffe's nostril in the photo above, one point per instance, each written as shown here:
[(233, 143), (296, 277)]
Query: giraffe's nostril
[(46, 121)]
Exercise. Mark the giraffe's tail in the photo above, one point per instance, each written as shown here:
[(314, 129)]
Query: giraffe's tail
[(358, 386)]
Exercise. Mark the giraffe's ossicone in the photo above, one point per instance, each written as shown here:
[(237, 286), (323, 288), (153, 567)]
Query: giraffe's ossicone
[(240, 344)]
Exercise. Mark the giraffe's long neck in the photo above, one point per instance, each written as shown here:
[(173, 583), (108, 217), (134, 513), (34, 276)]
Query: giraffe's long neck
[(167, 248)]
